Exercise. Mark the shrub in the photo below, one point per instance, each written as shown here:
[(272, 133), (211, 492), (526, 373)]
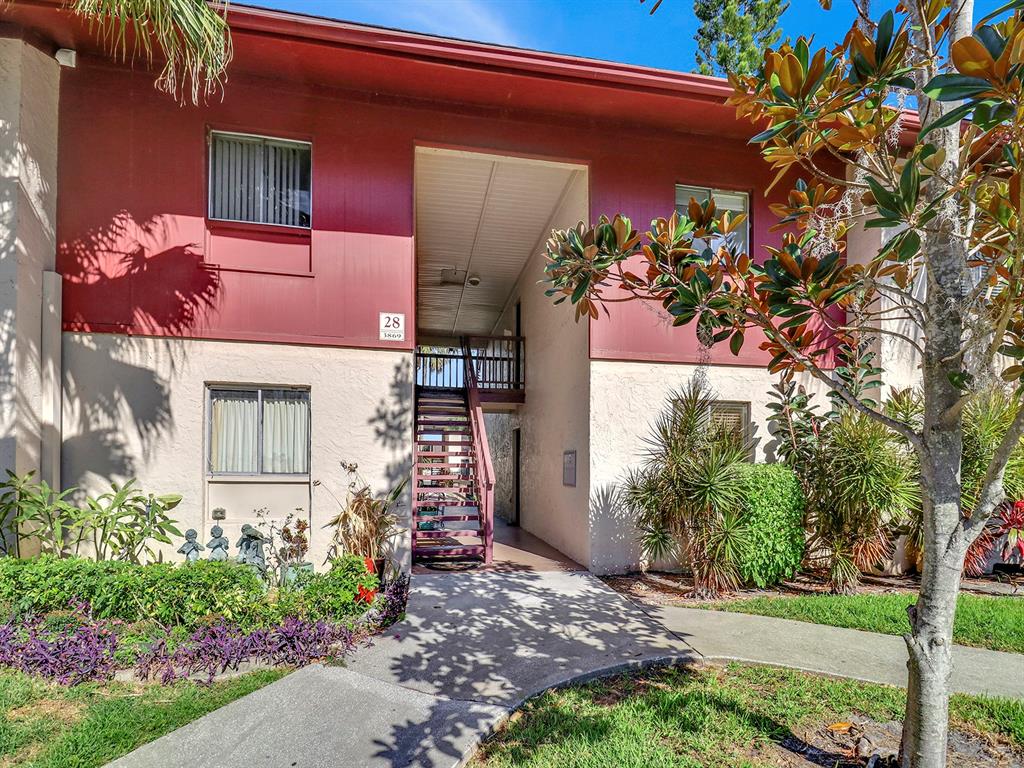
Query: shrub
[(346, 590), (180, 594), (773, 513)]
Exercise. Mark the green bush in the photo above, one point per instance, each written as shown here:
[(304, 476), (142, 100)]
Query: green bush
[(335, 593), (176, 595), (773, 514)]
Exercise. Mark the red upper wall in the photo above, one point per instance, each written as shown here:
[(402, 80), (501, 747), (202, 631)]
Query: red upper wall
[(140, 257)]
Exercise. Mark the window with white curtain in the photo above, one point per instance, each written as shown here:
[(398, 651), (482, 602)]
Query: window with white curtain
[(258, 431), (734, 202), (260, 180)]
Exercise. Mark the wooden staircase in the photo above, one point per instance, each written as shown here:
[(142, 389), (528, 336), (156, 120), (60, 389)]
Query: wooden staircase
[(452, 488)]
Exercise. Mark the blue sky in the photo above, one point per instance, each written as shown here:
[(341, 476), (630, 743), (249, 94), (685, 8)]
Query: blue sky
[(618, 30)]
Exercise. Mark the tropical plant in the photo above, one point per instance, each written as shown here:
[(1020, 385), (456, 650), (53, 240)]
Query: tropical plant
[(40, 513), (795, 427), (863, 484), (948, 285), (687, 496), (366, 525), (125, 522), (191, 36)]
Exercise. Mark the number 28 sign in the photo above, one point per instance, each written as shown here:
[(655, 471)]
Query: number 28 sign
[(392, 326)]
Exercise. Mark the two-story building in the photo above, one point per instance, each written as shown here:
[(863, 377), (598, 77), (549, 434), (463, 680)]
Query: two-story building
[(337, 260)]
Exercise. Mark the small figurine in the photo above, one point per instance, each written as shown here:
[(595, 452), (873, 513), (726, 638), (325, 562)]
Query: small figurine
[(191, 548), (218, 545), (250, 548)]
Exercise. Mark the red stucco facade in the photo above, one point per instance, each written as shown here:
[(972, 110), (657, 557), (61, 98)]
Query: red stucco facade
[(139, 255)]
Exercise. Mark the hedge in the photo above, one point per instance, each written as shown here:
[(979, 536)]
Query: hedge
[(178, 594), (774, 512)]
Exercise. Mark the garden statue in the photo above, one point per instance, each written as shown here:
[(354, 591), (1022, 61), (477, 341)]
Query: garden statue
[(191, 548), (250, 548), (218, 545)]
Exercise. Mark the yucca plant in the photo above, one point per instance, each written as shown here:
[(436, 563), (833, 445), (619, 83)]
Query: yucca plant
[(191, 36), (987, 416), (864, 483), (687, 495)]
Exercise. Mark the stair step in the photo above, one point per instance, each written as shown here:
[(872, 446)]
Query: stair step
[(446, 518), (442, 454), (444, 533), (442, 503), (456, 482), (443, 550), (440, 410)]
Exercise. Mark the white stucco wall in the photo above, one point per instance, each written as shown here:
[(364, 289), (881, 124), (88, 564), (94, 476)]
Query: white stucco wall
[(135, 407), (555, 415), (29, 89), (625, 399)]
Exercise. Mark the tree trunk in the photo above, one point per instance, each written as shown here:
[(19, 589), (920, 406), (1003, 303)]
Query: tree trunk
[(930, 641)]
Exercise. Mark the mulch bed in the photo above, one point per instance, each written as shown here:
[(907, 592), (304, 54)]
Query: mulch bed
[(658, 588)]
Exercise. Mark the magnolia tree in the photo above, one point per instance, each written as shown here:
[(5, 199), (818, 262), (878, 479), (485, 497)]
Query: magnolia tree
[(947, 180)]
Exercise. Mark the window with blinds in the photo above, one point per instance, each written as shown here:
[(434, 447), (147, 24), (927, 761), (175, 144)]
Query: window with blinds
[(732, 417), (734, 202), (260, 180)]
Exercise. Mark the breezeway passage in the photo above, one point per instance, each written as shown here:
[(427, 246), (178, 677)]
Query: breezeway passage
[(475, 645)]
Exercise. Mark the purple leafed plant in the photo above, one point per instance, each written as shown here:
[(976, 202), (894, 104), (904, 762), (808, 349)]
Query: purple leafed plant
[(219, 647), (81, 649)]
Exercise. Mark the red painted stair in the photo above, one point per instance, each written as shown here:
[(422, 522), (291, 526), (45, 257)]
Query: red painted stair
[(449, 522)]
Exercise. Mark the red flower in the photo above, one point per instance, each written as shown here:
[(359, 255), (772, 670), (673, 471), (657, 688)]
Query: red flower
[(368, 562), (366, 595)]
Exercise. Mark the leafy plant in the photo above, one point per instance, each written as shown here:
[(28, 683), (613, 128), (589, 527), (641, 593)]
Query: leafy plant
[(121, 524), (78, 649), (366, 525), (289, 543), (865, 482), (773, 512), (124, 522), (687, 495), (347, 589), (40, 513), (795, 426)]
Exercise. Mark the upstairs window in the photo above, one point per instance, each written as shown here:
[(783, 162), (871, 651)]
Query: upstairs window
[(260, 180), (734, 202), (258, 431)]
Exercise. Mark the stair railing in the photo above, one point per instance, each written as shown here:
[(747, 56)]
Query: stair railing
[(482, 453)]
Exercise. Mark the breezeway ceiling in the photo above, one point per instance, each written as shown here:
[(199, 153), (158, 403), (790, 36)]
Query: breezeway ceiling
[(483, 215)]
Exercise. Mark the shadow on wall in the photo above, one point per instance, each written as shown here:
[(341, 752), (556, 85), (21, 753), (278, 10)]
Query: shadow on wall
[(613, 544), (494, 639), (113, 388), (392, 429)]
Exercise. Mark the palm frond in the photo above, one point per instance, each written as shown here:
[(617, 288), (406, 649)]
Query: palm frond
[(192, 36)]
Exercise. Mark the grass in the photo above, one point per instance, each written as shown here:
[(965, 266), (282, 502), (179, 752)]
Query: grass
[(706, 718), (49, 726), (984, 622)]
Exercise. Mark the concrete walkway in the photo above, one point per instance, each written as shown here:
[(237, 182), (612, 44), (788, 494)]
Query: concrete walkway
[(476, 645), (720, 636)]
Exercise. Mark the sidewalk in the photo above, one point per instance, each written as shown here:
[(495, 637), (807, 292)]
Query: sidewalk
[(476, 645), (868, 656)]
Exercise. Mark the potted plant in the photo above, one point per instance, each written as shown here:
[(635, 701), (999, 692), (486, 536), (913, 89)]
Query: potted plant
[(366, 525)]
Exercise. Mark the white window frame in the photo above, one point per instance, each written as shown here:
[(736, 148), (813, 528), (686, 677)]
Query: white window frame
[(712, 192), (263, 137), (259, 389)]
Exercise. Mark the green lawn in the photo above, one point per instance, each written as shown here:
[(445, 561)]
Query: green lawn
[(984, 622), (44, 725), (706, 718)]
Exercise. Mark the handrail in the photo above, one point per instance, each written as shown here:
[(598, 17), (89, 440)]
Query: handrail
[(498, 361), (482, 452)]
